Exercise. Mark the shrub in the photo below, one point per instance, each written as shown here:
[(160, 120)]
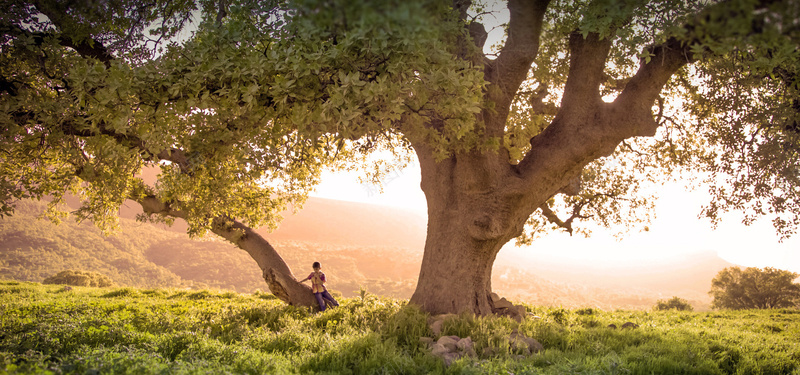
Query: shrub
[(675, 303), (79, 278), (560, 316)]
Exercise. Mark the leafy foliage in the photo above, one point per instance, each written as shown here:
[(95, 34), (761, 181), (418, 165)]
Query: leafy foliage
[(79, 278), (242, 114), (675, 303), (152, 331), (241, 117), (755, 288)]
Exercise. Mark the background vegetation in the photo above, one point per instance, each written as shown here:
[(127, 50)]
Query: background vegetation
[(79, 278), (675, 303), (755, 288), (149, 331)]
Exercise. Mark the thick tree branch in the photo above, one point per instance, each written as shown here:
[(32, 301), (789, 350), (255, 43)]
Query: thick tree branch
[(221, 12), (274, 269), (586, 64), (643, 89), (587, 128), (510, 69), (516, 56), (88, 48), (580, 131), (56, 11)]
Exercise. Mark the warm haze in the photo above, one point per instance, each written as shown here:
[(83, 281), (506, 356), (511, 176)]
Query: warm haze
[(676, 232)]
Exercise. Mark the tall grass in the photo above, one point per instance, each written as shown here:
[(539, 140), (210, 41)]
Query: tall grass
[(93, 330)]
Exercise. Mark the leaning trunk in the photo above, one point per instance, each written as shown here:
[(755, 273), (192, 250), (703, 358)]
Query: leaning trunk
[(276, 272), (274, 269)]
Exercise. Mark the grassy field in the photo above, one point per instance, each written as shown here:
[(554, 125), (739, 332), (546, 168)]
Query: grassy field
[(47, 329)]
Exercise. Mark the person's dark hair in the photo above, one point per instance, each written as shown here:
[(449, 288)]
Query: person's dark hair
[(316, 265)]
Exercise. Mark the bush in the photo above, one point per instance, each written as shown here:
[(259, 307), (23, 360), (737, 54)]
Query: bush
[(79, 278), (675, 303)]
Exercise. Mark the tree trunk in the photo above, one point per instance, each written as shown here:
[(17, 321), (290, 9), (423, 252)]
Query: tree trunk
[(470, 218), (456, 269)]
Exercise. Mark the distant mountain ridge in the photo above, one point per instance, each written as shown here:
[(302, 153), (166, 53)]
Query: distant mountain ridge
[(360, 245)]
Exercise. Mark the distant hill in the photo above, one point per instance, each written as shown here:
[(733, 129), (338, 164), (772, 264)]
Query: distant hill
[(32, 249), (360, 245), (147, 255)]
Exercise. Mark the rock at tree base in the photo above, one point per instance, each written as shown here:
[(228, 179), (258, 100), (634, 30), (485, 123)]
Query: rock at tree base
[(452, 348), (503, 307), (449, 343), (525, 344), (435, 323), (439, 350), (503, 304)]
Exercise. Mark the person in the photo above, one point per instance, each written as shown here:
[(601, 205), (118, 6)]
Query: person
[(318, 287)]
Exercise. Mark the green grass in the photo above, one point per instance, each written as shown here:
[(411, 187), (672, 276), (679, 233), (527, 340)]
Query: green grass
[(45, 329)]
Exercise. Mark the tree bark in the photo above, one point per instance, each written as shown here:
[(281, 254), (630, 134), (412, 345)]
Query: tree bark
[(470, 217), (276, 272)]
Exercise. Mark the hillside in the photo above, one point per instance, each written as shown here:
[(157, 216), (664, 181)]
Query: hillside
[(359, 245)]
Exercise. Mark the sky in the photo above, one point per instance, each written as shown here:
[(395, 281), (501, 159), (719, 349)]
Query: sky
[(675, 232)]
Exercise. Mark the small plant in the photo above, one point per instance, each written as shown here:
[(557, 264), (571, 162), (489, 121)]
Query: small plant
[(585, 311), (674, 303), (560, 316), (122, 292), (363, 294)]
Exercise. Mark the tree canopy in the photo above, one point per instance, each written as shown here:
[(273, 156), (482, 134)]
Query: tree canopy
[(273, 90), (754, 288), (241, 104)]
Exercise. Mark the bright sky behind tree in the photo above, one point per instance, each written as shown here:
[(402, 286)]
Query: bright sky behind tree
[(675, 232)]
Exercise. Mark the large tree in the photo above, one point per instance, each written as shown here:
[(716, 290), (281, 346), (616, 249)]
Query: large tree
[(580, 102)]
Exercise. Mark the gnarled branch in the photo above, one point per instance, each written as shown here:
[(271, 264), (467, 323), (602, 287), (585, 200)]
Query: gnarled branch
[(552, 217)]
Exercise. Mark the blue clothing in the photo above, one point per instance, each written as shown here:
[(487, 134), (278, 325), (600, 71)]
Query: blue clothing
[(325, 296)]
